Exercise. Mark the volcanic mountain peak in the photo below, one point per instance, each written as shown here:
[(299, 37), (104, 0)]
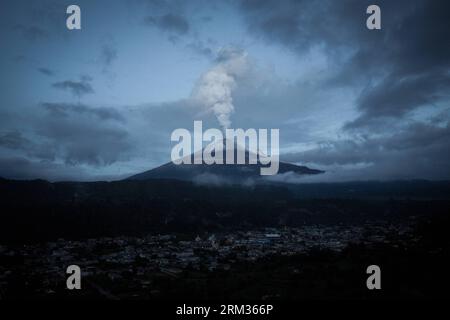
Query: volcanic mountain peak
[(233, 173)]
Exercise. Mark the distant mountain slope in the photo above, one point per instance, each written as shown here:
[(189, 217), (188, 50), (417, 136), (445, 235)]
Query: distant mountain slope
[(233, 173)]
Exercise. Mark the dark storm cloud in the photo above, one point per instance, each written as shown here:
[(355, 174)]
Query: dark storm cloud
[(26, 169), (65, 109), (85, 135), (394, 97), (46, 71), (20, 144), (300, 24), (77, 88), (419, 150), (13, 140), (170, 22), (26, 147), (71, 134), (400, 70), (408, 58), (90, 145)]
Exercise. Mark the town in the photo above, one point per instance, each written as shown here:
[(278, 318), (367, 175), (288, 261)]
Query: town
[(138, 265)]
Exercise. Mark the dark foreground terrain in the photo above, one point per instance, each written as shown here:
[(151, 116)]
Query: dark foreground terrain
[(166, 239)]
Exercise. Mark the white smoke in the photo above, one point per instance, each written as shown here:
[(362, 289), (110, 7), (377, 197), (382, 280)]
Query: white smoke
[(214, 88)]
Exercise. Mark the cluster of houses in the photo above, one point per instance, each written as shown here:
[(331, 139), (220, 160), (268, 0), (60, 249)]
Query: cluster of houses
[(139, 259)]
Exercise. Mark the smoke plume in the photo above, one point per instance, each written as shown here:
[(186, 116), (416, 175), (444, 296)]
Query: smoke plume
[(214, 88)]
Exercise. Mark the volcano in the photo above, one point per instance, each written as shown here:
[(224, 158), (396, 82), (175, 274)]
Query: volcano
[(218, 173)]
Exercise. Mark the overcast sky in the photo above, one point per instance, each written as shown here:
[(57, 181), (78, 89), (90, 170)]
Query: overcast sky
[(101, 102)]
